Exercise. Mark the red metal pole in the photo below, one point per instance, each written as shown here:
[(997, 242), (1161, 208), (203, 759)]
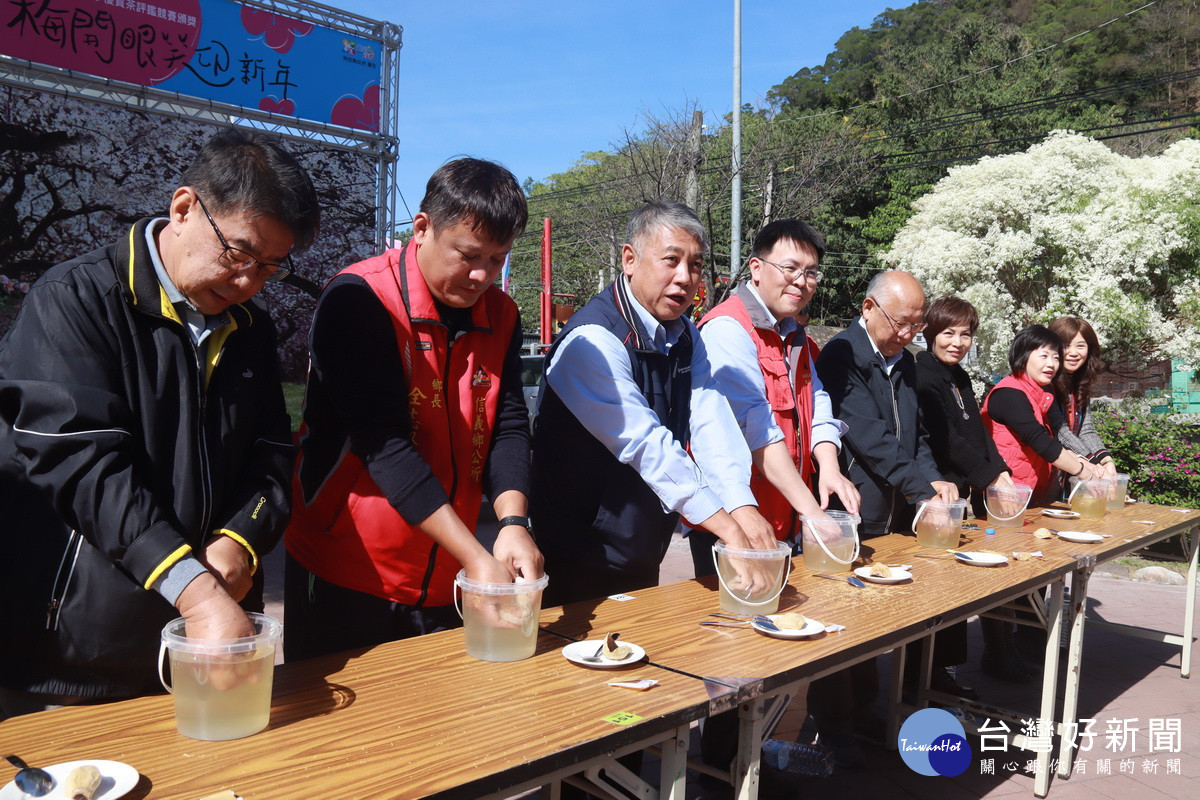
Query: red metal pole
[(547, 323)]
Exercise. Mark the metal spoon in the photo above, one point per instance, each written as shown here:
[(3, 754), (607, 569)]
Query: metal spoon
[(853, 581), (33, 781), (762, 623)]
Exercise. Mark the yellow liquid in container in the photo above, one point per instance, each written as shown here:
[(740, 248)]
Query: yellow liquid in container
[(1088, 506), (816, 559), (940, 536), (205, 712)]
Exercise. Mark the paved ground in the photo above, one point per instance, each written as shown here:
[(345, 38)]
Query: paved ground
[(1133, 681)]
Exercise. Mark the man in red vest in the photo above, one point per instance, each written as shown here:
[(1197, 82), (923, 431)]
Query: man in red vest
[(763, 360), (414, 410)]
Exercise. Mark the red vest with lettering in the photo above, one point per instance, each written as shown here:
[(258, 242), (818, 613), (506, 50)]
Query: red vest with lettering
[(1027, 466), (349, 533), (793, 408)]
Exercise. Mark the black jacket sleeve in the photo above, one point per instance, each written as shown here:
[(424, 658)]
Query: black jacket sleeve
[(869, 439), (74, 433), (965, 453)]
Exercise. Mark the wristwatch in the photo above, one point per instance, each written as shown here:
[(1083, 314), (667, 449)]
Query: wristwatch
[(524, 522)]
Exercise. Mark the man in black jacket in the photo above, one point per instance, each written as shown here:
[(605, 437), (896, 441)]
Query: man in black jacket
[(145, 451), (869, 376), (870, 379)]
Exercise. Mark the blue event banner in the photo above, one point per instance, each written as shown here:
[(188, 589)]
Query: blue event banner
[(215, 50)]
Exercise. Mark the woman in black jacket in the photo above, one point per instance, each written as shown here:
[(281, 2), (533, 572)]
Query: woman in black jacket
[(965, 455)]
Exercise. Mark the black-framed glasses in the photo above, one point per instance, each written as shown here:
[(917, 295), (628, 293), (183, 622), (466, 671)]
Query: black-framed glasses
[(901, 327), (791, 272), (240, 261)]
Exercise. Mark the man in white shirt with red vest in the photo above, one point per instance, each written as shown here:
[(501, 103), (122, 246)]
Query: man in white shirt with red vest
[(763, 361), (413, 412)]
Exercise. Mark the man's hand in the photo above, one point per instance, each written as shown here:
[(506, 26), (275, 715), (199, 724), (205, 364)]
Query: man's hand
[(832, 482), (487, 569), (210, 613), (516, 549), (946, 491), (230, 563), (754, 525)]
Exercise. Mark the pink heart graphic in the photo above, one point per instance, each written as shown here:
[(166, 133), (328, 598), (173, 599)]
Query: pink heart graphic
[(279, 32), (354, 112), (286, 107)]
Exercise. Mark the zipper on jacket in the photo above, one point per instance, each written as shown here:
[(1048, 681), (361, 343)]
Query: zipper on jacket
[(433, 552), (62, 579), (202, 441), (896, 420)]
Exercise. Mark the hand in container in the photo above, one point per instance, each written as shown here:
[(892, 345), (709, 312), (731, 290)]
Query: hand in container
[(210, 613), (494, 611)]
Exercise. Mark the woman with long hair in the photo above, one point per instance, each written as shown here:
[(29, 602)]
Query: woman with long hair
[(1072, 420), (1017, 415)]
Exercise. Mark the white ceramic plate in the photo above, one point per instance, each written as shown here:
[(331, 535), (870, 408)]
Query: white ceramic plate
[(811, 628), (898, 575), (981, 559), (1080, 536), (576, 652), (116, 780), (1058, 513)]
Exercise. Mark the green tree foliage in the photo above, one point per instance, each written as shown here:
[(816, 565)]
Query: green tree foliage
[(852, 142)]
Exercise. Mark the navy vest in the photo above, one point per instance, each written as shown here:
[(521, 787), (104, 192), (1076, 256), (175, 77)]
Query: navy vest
[(592, 513)]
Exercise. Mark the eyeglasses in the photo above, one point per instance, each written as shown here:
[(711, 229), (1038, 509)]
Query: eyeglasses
[(901, 327), (240, 261), (791, 272)]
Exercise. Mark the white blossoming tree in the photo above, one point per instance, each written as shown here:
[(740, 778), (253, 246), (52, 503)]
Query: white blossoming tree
[(1067, 227)]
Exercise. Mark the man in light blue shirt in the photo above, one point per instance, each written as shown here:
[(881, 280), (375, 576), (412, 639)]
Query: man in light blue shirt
[(627, 390)]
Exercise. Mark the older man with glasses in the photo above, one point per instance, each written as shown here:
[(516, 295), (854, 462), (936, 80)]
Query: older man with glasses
[(145, 450), (870, 377)]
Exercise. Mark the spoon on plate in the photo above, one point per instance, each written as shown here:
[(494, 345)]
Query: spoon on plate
[(33, 781), (853, 581), (962, 556)]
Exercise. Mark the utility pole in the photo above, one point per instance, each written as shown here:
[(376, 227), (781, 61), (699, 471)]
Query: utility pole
[(693, 173), (735, 206)]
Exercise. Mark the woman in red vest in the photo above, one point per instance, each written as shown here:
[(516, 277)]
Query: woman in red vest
[(1016, 414)]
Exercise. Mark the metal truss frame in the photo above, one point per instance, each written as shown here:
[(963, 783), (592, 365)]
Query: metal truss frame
[(382, 146)]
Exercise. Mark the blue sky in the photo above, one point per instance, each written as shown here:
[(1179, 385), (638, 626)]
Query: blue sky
[(535, 85)]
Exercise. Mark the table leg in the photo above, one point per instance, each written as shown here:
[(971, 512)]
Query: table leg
[(1189, 613), (750, 735), (899, 656), (672, 782), (1054, 615), (1069, 729)]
